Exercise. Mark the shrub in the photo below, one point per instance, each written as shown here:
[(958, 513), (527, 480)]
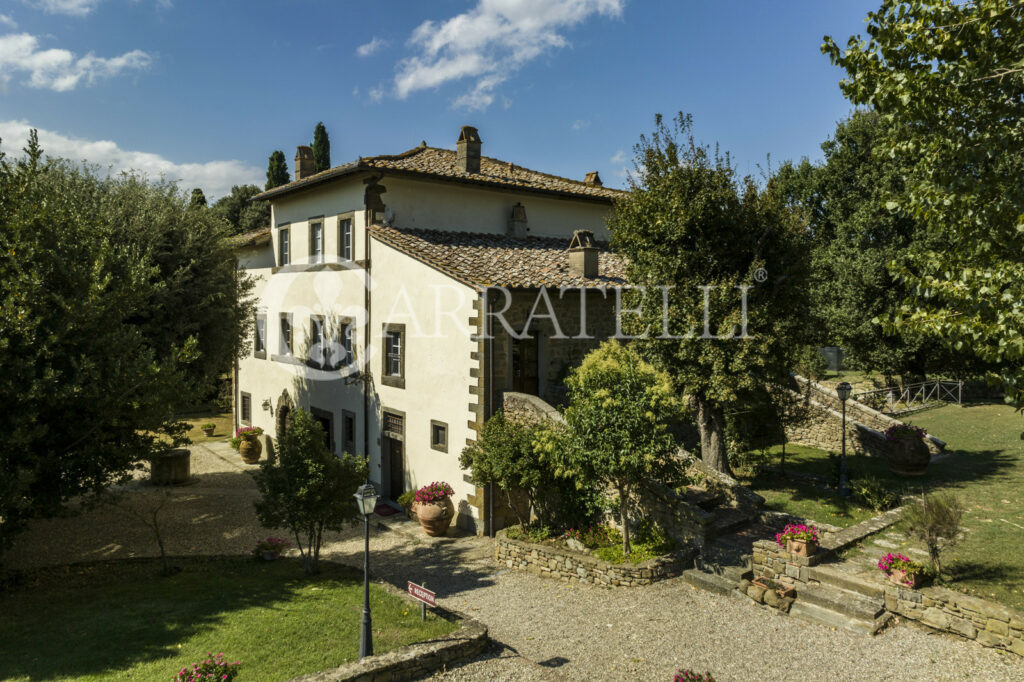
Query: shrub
[(529, 533), (438, 491), (935, 521), (592, 537), (208, 425), (798, 532), (873, 494), (211, 668), (407, 498), (690, 676), (904, 432)]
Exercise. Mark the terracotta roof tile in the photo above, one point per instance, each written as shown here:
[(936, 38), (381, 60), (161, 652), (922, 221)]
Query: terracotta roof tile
[(480, 260), (431, 162), (254, 238)]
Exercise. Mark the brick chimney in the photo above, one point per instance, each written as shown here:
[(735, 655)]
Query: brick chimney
[(517, 223), (469, 150), (303, 161), (583, 253), (593, 179)]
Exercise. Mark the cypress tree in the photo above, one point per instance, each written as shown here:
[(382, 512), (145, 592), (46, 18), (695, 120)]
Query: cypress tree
[(321, 148), (277, 170), (198, 199)]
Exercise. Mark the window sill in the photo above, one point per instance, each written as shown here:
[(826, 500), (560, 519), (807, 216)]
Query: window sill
[(286, 359), (393, 381), (260, 354), (439, 448)]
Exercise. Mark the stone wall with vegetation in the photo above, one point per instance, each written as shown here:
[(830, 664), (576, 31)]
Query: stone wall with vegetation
[(864, 425), (988, 623), (570, 566)]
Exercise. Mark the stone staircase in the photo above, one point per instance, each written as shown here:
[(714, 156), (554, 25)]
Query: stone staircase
[(841, 599)]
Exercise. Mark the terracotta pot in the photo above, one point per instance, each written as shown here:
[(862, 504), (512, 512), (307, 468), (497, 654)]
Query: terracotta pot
[(913, 581), (250, 449), (908, 456), (435, 517), (801, 548)]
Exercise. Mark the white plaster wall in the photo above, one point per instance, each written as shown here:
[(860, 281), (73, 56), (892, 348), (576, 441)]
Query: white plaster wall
[(329, 201), (465, 208)]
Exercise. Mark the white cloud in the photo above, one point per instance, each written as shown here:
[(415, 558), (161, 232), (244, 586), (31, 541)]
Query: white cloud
[(620, 157), (7, 21), (376, 94), (57, 69), (369, 48), (76, 8), (489, 43), (214, 177), (579, 124)]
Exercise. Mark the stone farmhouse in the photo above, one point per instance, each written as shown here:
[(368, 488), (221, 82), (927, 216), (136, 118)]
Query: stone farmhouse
[(400, 296)]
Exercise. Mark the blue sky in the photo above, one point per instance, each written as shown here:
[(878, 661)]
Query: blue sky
[(204, 91)]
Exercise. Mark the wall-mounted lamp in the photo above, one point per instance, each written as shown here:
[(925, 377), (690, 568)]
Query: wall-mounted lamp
[(267, 407)]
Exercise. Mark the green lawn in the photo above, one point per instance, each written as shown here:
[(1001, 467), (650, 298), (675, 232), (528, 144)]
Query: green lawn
[(126, 622), (224, 423), (984, 467)]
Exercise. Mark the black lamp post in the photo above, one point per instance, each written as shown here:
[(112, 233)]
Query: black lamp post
[(366, 500), (843, 391)]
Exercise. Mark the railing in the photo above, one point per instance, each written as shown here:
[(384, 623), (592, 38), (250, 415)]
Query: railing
[(898, 399)]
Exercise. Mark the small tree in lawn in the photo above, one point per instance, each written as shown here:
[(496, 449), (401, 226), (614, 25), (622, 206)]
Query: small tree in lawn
[(309, 489), (615, 434), (935, 521)]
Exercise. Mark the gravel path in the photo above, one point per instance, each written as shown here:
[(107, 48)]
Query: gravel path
[(543, 629)]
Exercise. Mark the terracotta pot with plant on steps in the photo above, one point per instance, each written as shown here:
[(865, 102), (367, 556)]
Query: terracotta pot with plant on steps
[(434, 508), (798, 539)]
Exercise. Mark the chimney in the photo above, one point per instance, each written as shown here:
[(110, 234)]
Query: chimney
[(593, 179), (583, 253), (303, 161), (517, 223), (469, 150)]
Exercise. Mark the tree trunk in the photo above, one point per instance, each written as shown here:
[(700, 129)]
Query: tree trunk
[(624, 520), (711, 425)]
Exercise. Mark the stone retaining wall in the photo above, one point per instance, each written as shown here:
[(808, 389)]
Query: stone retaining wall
[(570, 566)]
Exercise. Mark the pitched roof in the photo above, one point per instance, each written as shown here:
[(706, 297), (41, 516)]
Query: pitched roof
[(254, 238), (442, 164), (496, 260)]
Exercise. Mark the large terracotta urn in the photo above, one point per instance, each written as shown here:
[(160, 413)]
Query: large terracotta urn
[(250, 449), (909, 456), (435, 517)]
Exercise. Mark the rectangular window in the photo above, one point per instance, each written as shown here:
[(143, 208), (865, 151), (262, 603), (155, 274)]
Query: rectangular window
[(345, 238), (245, 411), (326, 420), (393, 371), (346, 343), (348, 432), (318, 351), (259, 339), (438, 435), (316, 242), (284, 244), (286, 334)]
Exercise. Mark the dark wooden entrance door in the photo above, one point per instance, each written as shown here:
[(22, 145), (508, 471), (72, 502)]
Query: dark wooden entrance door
[(396, 467), (524, 366)]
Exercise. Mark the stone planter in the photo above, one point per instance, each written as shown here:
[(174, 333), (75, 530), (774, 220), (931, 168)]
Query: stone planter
[(801, 548), (172, 468), (209, 432), (435, 517), (268, 555), (250, 449), (908, 457)]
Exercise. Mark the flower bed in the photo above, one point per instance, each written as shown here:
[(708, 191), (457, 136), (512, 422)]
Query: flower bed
[(552, 561)]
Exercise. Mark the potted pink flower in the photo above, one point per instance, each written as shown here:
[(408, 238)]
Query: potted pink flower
[(434, 507), (271, 548), (247, 442), (902, 570), (798, 539)]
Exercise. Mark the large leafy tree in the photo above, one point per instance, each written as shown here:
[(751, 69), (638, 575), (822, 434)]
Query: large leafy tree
[(855, 239), (241, 213), (321, 148), (277, 170), (948, 79), (118, 306), (616, 421), (690, 224), (308, 489)]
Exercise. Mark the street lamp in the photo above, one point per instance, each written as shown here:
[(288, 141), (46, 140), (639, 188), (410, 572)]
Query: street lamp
[(366, 501), (843, 391)]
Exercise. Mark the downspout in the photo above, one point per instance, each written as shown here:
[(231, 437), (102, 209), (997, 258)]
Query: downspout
[(489, 404), (366, 342)]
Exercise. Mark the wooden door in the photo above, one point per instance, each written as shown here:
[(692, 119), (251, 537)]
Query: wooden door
[(396, 468), (524, 366)]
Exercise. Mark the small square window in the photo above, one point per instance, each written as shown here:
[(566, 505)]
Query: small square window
[(438, 435), (285, 247)]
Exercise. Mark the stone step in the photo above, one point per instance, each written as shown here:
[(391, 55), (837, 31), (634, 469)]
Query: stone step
[(732, 570), (824, 616), (833, 576), (728, 520), (710, 582), (850, 604)]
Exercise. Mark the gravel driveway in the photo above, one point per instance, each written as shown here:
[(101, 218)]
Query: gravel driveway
[(543, 629)]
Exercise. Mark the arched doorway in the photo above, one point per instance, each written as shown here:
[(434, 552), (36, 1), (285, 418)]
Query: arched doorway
[(284, 415)]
